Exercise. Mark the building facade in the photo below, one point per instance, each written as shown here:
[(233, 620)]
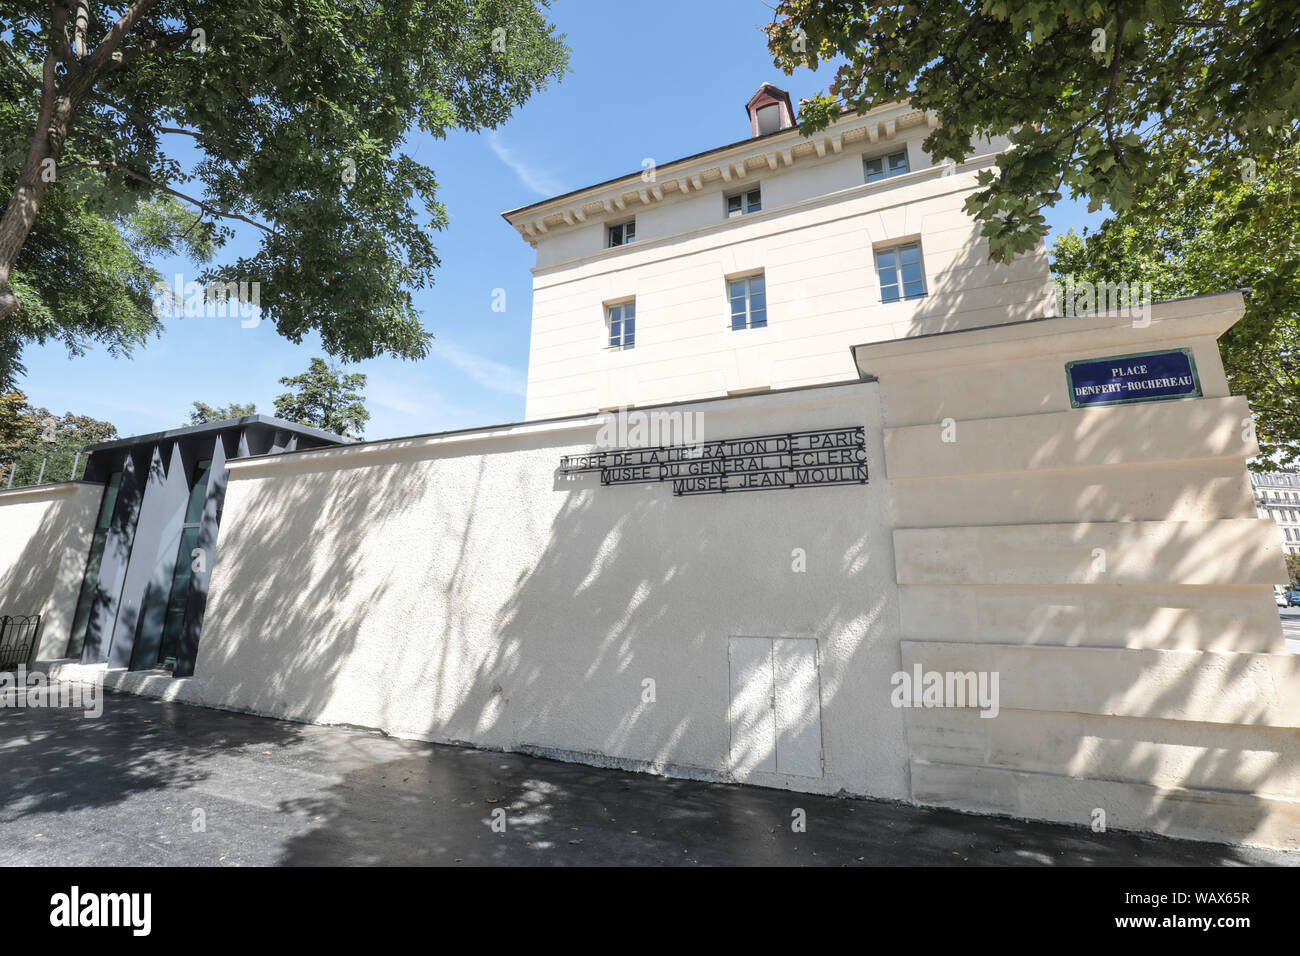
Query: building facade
[(1277, 496), (758, 265)]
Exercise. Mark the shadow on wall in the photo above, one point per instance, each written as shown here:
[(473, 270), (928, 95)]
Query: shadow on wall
[(1232, 761), (953, 302), (43, 573), (1253, 759), (432, 599), (293, 627), (435, 598)]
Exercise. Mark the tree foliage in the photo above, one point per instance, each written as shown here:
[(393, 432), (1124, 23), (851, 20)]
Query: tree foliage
[(1216, 229), (135, 127), (36, 444), (17, 428), (1099, 99), (325, 398), (204, 413)]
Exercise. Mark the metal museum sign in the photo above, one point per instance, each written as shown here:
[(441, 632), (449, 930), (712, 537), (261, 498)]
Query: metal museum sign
[(796, 459)]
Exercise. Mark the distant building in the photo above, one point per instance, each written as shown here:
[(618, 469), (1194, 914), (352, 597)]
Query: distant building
[(1277, 496)]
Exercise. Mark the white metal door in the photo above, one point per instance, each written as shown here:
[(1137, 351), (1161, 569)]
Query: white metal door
[(775, 706)]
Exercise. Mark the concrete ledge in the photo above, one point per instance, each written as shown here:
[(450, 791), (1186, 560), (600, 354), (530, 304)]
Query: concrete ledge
[(157, 684), (1175, 618), (1230, 551), (1205, 315), (1204, 686), (1205, 490), (48, 490), (1195, 814), (1080, 438), (1162, 753)]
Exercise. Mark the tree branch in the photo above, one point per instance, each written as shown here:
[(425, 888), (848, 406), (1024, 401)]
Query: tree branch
[(115, 35), (12, 56), (143, 120), (1114, 78), (82, 21), (167, 40), (162, 187)]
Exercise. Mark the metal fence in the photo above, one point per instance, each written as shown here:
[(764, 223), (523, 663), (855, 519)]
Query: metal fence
[(18, 639)]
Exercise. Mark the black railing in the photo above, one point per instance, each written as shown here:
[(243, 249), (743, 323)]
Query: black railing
[(17, 639)]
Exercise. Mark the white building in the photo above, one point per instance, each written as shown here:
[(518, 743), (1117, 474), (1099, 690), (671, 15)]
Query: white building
[(1277, 496), (758, 265)]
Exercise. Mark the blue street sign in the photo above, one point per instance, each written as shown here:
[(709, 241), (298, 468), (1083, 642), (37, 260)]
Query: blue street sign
[(1141, 377)]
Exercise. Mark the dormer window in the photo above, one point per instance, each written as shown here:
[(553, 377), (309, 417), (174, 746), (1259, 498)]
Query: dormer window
[(742, 204), (769, 118), (622, 234), (770, 110), (882, 167)]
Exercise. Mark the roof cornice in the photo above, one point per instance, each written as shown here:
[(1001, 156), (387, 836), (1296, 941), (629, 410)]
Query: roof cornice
[(736, 163)]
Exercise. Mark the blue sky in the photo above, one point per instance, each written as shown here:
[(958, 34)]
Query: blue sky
[(658, 87)]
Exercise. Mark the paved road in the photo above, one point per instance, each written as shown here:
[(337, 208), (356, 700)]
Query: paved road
[(1291, 628), (124, 788)]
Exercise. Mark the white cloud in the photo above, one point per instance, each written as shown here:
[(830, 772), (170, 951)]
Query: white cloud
[(538, 180), (487, 372)]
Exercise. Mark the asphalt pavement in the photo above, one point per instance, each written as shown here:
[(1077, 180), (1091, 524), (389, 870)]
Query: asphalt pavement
[(150, 783), (1291, 628)]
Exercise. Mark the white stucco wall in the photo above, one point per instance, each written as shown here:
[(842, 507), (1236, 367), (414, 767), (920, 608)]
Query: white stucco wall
[(45, 533), (456, 589)]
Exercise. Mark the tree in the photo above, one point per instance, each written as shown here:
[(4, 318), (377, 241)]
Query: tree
[(1182, 121), (17, 427), (203, 414), (297, 113), (1215, 230), (1097, 98), (44, 446), (1293, 569), (324, 398)]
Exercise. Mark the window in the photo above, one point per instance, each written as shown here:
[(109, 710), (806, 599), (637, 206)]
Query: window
[(622, 234), (900, 272), (744, 203), (622, 325), (769, 118), (748, 302), (882, 167)]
